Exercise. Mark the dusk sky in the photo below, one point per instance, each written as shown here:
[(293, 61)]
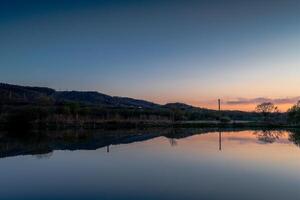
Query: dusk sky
[(163, 51)]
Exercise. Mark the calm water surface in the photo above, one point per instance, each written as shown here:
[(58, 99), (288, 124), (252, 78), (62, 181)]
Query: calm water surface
[(182, 164)]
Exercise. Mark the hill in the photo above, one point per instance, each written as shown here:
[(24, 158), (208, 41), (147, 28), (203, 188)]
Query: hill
[(24, 94), (43, 107)]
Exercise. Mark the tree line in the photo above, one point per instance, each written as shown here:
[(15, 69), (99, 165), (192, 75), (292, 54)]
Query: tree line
[(268, 109), (46, 112)]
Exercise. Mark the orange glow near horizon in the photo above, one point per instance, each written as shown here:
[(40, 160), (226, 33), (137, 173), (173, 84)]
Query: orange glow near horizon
[(213, 104), (244, 107)]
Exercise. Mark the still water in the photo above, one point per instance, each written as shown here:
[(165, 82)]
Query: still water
[(153, 164)]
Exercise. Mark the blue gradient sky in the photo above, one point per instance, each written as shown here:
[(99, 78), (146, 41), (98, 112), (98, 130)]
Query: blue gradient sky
[(189, 51)]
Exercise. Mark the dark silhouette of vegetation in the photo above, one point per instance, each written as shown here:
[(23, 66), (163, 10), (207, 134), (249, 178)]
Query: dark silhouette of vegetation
[(294, 114), (45, 142), (295, 137), (224, 119), (38, 107), (25, 117), (266, 109), (268, 136)]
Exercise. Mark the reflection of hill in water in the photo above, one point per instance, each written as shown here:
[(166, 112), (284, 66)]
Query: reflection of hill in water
[(43, 144)]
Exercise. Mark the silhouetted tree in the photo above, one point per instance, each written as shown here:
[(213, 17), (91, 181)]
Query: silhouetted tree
[(265, 109), (45, 100), (294, 113), (294, 137), (63, 110)]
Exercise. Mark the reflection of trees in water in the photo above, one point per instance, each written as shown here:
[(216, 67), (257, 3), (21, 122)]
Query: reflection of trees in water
[(42, 143), (173, 142), (39, 144), (44, 156), (294, 137), (268, 136)]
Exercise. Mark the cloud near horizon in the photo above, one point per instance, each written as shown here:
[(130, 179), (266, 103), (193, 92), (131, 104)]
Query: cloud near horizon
[(246, 101)]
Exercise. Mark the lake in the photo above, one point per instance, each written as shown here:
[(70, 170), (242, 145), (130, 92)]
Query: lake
[(151, 164)]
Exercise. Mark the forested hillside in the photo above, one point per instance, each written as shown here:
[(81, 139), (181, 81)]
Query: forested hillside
[(28, 106)]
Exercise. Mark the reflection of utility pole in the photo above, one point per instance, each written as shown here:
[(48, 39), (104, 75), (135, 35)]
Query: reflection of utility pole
[(220, 141), (172, 115), (107, 148), (173, 142)]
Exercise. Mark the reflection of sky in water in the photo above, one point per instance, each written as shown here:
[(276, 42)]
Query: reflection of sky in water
[(191, 167)]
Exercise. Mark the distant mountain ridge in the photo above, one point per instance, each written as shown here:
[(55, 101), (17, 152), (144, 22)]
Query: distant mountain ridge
[(96, 98), (16, 93), (181, 106)]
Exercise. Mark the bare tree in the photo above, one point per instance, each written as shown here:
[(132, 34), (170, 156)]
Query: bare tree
[(266, 108)]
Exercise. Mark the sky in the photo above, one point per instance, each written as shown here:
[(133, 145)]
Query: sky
[(243, 52)]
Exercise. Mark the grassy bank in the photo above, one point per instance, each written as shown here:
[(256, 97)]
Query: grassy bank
[(131, 124)]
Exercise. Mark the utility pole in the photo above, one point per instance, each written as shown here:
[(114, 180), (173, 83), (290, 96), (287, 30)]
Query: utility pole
[(220, 133)]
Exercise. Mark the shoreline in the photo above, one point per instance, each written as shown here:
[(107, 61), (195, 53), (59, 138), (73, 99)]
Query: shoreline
[(113, 124), (40, 142)]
